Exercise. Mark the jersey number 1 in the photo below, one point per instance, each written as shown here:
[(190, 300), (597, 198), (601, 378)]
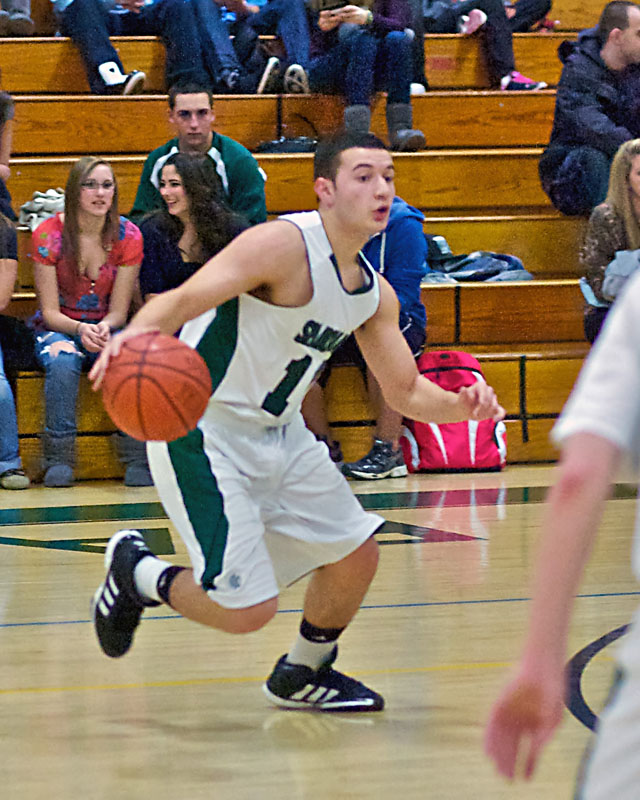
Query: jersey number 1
[(276, 401)]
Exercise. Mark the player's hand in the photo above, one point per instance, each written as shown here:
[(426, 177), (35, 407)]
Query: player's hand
[(354, 14), (522, 721), (481, 402), (110, 350)]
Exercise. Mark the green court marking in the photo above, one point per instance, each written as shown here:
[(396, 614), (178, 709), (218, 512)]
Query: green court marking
[(100, 513), (158, 539), (379, 501)]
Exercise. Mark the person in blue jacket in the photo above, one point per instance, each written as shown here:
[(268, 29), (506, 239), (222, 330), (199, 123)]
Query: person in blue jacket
[(597, 109), (400, 254)]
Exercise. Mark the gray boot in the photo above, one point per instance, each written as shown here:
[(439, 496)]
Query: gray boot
[(59, 460), (20, 22), (401, 135), (357, 119), (133, 456)]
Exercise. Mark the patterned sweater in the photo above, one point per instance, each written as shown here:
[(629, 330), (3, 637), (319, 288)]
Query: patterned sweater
[(605, 236)]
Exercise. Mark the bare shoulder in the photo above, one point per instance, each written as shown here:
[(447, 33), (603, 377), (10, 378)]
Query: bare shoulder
[(275, 248)]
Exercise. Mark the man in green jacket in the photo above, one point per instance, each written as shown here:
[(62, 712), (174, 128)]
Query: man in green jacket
[(191, 112)]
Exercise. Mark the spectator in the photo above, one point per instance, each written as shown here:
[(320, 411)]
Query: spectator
[(614, 228), (192, 226), (191, 112), (596, 109), (355, 52), (12, 476), (15, 18), (185, 27), (498, 25), (286, 19), (399, 253), (7, 111), (86, 268)]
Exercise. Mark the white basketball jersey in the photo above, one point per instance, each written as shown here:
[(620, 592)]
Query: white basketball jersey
[(262, 357)]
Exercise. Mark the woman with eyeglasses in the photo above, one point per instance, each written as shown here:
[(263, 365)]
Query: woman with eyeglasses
[(86, 264), (193, 225)]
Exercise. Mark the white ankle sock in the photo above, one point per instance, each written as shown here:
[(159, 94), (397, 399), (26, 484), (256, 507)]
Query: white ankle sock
[(146, 574), (311, 654)]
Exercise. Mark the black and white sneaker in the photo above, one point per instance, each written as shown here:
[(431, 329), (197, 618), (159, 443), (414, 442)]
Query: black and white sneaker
[(296, 80), (324, 689), (269, 82), (134, 84), (382, 461), (117, 606)]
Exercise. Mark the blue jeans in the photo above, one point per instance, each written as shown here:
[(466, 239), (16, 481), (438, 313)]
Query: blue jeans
[(575, 178), (9, 453), (361, 64), (62, 376), (286, 19), (191, 50)]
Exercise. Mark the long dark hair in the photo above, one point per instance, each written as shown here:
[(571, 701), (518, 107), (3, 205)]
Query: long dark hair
[(214, 222), (71, 230)]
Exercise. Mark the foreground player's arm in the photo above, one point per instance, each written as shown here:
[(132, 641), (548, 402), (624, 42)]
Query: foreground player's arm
[(405, 390), (269, 256), (530, 707)]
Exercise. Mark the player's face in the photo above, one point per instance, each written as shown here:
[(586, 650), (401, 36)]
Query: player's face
[(173, 192), (364, 188), (193, 117), (96, 192), (629, 41), (634, 178)]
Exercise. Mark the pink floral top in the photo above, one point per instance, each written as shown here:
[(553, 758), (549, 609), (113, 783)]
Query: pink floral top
[(80, 297)]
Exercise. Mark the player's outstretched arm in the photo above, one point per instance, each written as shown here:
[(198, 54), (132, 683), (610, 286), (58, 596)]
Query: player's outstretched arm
[(530, 707), (405, 390), (268, 255)]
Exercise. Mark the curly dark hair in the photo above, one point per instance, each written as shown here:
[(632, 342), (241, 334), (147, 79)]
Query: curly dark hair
[(215, 223)]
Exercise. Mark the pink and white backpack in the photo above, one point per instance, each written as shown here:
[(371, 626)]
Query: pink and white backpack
[(454, 446)]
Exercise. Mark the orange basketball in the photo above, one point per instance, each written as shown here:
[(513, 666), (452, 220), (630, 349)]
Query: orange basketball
[(156, 388)]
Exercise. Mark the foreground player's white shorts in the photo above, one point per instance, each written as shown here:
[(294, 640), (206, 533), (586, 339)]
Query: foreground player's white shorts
[(257, 507), (612, 771)]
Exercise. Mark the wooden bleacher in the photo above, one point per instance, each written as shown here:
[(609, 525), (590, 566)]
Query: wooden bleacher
[(477, 185)]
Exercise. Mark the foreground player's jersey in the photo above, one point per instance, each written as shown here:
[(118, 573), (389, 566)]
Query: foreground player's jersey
[(263, 357)]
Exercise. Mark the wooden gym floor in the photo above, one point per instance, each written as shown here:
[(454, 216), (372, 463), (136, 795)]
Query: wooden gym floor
[(182, 717)]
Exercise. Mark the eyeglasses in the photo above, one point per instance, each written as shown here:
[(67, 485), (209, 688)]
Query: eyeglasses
[(93, 185)]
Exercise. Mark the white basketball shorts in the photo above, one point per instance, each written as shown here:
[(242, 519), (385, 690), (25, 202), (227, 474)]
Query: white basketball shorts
[(257, 507)]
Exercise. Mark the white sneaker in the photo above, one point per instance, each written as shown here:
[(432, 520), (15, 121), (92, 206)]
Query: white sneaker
[(417, 89)]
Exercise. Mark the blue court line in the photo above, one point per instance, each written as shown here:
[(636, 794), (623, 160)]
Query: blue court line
[(379, 607)]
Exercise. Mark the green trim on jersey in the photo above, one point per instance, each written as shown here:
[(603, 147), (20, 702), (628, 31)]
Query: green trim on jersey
[(203, 501), (218, 344)]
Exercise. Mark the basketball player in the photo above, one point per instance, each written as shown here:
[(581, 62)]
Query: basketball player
[(255, 497), (600, 422)]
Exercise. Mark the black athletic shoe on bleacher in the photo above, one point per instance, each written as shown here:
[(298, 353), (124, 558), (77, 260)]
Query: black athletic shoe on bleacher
[(117, 606), (325, 689)]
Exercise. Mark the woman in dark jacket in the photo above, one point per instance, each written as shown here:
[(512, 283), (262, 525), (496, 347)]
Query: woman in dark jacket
[(191, 228)]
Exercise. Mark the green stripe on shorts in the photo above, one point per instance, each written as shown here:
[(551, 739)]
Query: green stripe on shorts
[(218, 343), (203, 501)]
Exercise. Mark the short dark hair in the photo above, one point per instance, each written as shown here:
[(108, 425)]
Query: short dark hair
[(614, 15), (189, 88), (329, 150)]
